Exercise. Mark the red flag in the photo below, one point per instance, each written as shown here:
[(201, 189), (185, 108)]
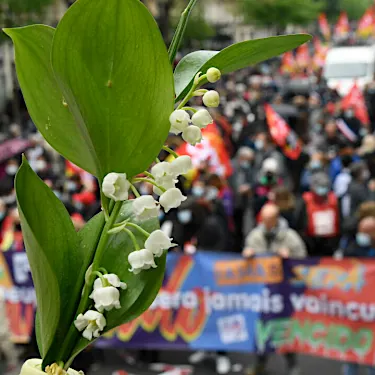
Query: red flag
[(303, 56), (287, 63), (282, 134), (342, 27), (211, 150), (356, 100), (366, 24), (324, 26)]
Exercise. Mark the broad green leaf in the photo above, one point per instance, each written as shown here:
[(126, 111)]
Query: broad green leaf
[(112, 66), (142, 288), (43, 97), (55, 259), (232, 58)]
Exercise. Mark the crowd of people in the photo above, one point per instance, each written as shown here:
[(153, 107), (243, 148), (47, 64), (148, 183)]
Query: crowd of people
[(322, 204)]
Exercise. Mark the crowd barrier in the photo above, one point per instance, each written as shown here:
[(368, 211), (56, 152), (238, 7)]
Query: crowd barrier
[(219, 301)]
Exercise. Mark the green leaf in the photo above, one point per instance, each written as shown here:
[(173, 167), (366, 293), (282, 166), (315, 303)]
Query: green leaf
[(142, 288), (55, 259), (232, 58), (43, 97), (112, 66)]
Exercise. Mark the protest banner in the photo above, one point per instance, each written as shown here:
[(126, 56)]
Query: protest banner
[(219, 301)]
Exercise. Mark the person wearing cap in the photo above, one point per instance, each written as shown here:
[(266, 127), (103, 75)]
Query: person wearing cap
[(318, 217)]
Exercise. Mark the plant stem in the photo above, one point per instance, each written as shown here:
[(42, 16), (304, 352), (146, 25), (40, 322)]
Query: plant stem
[(180, 31), (139, 229), (135, 191), (73, 333), (149, 175), (140, 179), (166, 148), (132, 237), (190, 109)]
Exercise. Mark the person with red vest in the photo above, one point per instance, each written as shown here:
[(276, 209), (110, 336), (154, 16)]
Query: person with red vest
[(318, 217)]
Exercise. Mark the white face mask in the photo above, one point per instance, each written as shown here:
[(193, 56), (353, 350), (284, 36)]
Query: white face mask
[(259, 144), (40, 165), (11, 169), (212, 193)]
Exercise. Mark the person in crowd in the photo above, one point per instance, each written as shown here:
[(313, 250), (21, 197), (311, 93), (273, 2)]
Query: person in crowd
[(7, 348), (344, 178), (364, 243), (317, 163), (367, 152), (286, 202), (318, 217), (242, 183), (273, 236), (357, 192), (267, 179)]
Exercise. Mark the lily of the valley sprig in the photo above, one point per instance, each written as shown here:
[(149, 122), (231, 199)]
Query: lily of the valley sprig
[(104, 94)]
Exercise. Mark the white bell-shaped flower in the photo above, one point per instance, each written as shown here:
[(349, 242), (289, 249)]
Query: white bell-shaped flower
[(192, 135), (91, 323), (172, 198), (161, 169), (106, 298), (116, 186), (141, 260), (112, 279), (166, 182), (157, 242), (181, 165), (211, 99), (179, 120), (213, 75), (145, 207), (202, 118)]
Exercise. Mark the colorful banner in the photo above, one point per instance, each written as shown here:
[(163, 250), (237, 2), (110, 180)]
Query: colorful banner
[(219, 301), (282, 134), (324, 27)]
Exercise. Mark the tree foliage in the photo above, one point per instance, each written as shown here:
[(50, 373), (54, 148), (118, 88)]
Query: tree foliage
[(281, 12)]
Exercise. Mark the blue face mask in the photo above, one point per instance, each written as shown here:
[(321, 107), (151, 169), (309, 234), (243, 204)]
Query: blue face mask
[(259, 144), (2, 215), (322, 191), (197, 191), (184, 216), (245, 164), (363, 239), (212, 193)]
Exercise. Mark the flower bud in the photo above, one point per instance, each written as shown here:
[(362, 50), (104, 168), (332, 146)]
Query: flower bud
[(172, 198), (202, 118), (192, 135), (181, 165), (145, 207), (158, 242), (211, 99), (213, 75), (179, 121), (116, 186)]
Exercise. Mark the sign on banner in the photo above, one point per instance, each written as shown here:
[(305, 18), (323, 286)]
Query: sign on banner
[(219, 301)]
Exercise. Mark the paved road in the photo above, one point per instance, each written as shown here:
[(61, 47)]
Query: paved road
[(116, 361)]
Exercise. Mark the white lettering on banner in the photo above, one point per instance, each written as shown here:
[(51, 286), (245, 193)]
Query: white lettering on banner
[(263, 302), (324, 222), (21, 268), (352, 310), (232, 329), (19, 294)]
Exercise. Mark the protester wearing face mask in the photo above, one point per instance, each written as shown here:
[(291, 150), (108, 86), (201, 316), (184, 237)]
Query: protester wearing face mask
[(7, 181), (198, 190), (273, 236), (318, 217), (316, 164), (242, 183)]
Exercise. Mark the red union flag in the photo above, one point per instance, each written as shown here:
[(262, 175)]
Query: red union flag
[(282, 134), (356, 100), (303, 56), (342, 27), (366, 24), (287, 63), (324, 26)]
